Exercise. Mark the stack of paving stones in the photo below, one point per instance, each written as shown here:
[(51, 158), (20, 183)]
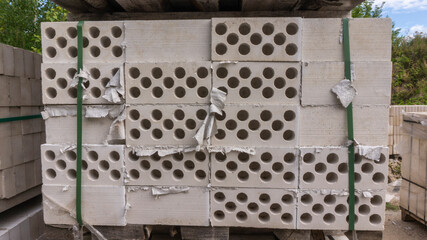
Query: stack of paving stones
[(20, 165), (277, 157)]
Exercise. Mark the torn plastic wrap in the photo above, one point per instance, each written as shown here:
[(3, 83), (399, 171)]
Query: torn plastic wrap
[(345, 92), (114, 91), (227, 149), (161, 150), (159, 191), (370, 152)]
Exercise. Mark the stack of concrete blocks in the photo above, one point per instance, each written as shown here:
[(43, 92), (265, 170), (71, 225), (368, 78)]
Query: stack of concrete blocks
[(277, 157), (395, 132), (20, 166), (413, 193)]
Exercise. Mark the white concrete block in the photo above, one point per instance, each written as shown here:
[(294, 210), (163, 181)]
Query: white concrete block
[(102, 205), (169, 83), (29, 64), (155, 125), (7, 62), (179, 169), (256, 39), (327, 125), (102, 42), (168, 41), (330, 212), (370, 39), (185, 208), (268, 168), (372, 82), (252, 82), (19, 63), (258, 208), (257, 125), (101, 165), (57, 79)]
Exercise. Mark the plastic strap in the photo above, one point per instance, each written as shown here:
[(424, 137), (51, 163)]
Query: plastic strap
[(79, 124), (12, 119)]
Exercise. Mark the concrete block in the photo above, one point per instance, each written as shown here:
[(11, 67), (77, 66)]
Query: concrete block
[(372, 82), (370, 39), (257, 208), (27, 148), (7, 62), (330, 212), (19, 62), (190, 208), (103, 205), (20, 181), (179, 169), (252, 82), (101, 165), (25, 91), (168, 41), (327, 125), (6, 153), (327, 168), (268, 168), (36, 92), (7, 183), (257, 125), (256, 39), (15, 91), (5, 96), (102, 42), (169, 83), (29, 64), (37, 66), (155, 125), (57, 78)]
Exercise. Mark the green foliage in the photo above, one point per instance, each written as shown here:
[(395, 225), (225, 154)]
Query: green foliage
[(389, 206), (20, 21), (367, 9)]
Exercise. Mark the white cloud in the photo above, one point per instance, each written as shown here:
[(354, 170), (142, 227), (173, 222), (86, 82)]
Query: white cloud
[(417, 28), (402, 5)]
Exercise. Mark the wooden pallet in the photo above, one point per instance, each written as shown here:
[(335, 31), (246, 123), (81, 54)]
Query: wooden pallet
[(407, 216)]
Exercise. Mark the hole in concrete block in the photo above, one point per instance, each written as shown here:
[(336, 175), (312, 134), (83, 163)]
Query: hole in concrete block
[(291, 49), (201, 114), (279, 39), (376, 200), (279, 83), (202, 72), (289, 177), (292, 28), (291, 92), (308, 158), (134, 174), (92, 155), (242, 115), (253, 125), (117, 51), (71, 174), (157, 92), (289, 115), (176, 156), (306, 218), (115, 175), (357, 158), (178, 174), (256, 82), (264, 198), (378, 177), (277, 167), (84, 165), (253, 207), (242, 134), (308, 177), (61, 42), (202, 92), (364, 209), (332, 158), (266, 115), (156, 114), (72, 32), (268, 29), (230, 206), (219, 196), (244, 49), (341, 209), (50, 32), (219, 215), (382, 159), (93, 174), (221, 28), (265, 135), (245, 72), (332, 177), (180, 92), (355, 218), (243, 157), (268, 92), (50, 174), (61, 164), (71, 155), (277, 125), (168, 124), (116, 31), (95, 51), (343, 168), (51, 92), (146, 83), (287, 218), (51, 52), (264, 217), (105, 42), (221, 49), (95, 92), (375, 219), (71, 72), (191, 82), (200, 175), (330, 199), (357, 177), (86, 84), (265, 176), (95, 73), (104, 165), (189, 165), (222, 72), (145, 124), (156, 174), (220, 134), (135, 134), (268, 73), (291, 73), (50, 73), (242, 197), (320, 168), (134, 114), (233, 82), (179, 133), (232, 38), (85, 42), (145, 165), (267, 49), (114, 156), (134, 92), (157, 72), (134, 72), (244, 28), (132, 156), (275, 208), (94, 32), (256, 38), (157, 133), (243, 176), (367, 168), (329, 218), (167, 165), (220, 175), (254, 166), (317, 208), (190, 124), (104, 82), (241, 216), (287, 199), (289, 158), (231, 124)]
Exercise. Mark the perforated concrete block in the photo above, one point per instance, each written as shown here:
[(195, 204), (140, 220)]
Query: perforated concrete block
[(102, 42), (183, 208), (252, 82), (154, 125), (57, 79), (257, 125), (102, 205), (179, 169), (370, 39), (372, 81), (329, 212), (268, 168), (327, 125), (168, 41), (169, 83), (327, 168), (258, 208), (256, 39)]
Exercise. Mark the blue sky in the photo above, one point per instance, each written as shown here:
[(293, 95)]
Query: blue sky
[(409, 15)]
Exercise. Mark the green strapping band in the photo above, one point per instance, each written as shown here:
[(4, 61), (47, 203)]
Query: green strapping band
[(12, 119), (350, 129), (79, 124)]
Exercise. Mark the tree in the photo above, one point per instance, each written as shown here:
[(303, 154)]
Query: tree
[(20, 21), (367, 9)]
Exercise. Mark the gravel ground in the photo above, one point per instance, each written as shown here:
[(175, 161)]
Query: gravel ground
[(396, 229)]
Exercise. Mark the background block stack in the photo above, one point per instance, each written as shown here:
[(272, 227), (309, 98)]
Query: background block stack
[(20, 166), (277, 156)]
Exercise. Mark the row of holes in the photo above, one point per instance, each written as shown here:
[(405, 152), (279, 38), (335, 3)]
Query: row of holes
[(50, 73), (263, 217), (94, 32), (243, 176), (265, 135), (157, 72), (265, 115), (94, 51), (267, 49), (267, 73), (177, 174), (265, 157), (267, 28), (329, 218), (93, 174), (91, 155), (179, 92), (168, 82), (62, 42)]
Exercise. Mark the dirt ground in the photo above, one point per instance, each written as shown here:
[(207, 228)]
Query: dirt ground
[(396, 229)]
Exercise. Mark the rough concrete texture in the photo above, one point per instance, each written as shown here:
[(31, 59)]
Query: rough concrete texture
[(102, 42), (255, 83), (168, 83), (256, 39), (7, 61), (101, 165), (330, 211), (168, 41), (268, 168), (257, 125), (258, 208), (370, 39), (19, 178), (103, 205), (179, 169), (327, 125), (155, 125), (184, 208), (57, 79), (372, 81)]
